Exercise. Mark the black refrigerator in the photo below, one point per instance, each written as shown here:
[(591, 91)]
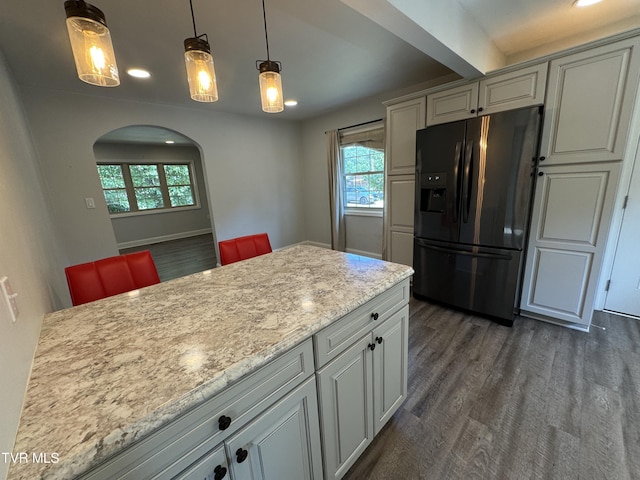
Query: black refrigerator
[(474, 181)]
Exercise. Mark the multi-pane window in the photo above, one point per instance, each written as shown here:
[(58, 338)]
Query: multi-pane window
[(362, 155), (148, 186)]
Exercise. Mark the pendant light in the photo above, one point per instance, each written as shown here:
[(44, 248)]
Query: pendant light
[(199, 62), (91, 44), (270, 79)]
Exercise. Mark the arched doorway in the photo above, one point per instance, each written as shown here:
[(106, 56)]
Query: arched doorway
[(155, 186)]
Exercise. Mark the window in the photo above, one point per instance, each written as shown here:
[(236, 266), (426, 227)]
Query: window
[(132, 188), (362, 156)]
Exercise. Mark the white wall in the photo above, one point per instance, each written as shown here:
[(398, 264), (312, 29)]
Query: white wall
[(29, 256), (315, 178), (253, 167)]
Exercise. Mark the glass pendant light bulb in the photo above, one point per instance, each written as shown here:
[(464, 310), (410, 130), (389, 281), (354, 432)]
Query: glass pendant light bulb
[(200, 70), (271, 87), (91, 44)]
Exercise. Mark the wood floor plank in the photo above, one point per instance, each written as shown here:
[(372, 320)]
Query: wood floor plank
[(557, 456), (602, 450), (177, 258), (535, 401)]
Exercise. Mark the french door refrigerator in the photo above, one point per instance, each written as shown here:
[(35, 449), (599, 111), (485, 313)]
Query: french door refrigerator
[(474, 183)]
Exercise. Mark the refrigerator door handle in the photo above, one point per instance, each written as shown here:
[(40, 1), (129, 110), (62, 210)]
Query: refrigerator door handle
[(422, 243), (466, 181), (456, 174)]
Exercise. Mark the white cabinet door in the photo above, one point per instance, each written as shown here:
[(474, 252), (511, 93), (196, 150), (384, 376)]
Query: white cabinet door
[(346, 403), (590, 96), (401, 191), (390, 367), (403, 119), (569, 225), (454, 104), (521, 88), (281, 444), (212, 467)]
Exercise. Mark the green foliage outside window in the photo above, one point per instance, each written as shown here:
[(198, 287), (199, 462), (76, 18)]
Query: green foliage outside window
[(138, 187)]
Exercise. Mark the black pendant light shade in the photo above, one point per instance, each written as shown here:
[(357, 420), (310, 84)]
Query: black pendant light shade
[(91, 44)]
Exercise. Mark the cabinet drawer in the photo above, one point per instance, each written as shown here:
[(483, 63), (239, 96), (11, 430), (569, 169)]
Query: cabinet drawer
[(167, 452), (335, 338)]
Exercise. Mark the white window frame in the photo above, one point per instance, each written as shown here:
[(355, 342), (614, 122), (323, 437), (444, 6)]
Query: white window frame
[(160, 165), (363, 211)]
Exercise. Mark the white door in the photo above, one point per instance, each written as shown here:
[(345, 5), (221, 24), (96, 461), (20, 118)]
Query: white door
[(624, 290)]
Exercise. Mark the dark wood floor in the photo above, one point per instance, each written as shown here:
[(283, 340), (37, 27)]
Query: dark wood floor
[(535, 401), (177, 258)]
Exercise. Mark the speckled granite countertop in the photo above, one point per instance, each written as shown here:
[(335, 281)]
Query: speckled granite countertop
[(110, 372)]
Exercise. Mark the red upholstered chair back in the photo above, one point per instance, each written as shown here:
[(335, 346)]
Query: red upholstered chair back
[(241, 248), (110, 276)]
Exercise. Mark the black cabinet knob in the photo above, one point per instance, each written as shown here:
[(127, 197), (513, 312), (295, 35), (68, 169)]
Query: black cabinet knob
[(372, 346), (219, 472), (241, 455), (473, 110), (540, 174), (480, 109), (379, 340), (224, 422), (375, 315), (542, 159)]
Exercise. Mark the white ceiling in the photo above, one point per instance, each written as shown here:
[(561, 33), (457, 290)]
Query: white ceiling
[(332, 52)]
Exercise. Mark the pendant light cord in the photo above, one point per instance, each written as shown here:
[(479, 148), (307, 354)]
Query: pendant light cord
[(193, 19), (266, 36)]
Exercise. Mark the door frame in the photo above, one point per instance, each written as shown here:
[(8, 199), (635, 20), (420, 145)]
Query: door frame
[(630, 159)]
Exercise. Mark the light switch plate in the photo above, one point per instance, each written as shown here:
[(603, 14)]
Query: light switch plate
[(9, 298)]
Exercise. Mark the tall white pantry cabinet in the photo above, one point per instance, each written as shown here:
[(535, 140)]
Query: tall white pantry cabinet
[(588, 95), (590, 98)]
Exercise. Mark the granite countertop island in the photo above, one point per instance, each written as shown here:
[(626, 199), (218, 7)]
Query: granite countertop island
[(108, 373)]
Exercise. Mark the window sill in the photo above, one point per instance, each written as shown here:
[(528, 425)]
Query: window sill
[(153, 212), (356, 212)]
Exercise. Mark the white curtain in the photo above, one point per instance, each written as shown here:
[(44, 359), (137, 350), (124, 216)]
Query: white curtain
[(336, 202)]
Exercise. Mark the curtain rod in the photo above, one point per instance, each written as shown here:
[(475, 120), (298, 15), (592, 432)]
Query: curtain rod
[(359, 124)]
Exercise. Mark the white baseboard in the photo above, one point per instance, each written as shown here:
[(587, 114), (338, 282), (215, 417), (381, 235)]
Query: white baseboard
[(163, 238)]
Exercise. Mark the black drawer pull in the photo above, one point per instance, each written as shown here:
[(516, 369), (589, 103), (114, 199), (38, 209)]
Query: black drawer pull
[(219, 472), (224, 422), (241, 455), (375, 315)]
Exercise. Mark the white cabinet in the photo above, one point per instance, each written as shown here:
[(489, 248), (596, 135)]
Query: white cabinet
[(281, 444), (570, 221), (212, 467), (589, 101), (360, 390), (452, 104), (507, 91), (403, 119), (400, 191)]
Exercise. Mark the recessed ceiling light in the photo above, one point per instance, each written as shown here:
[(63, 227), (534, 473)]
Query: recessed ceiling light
[(585, 3), (291, 103), (138, 73), (169, 142)]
